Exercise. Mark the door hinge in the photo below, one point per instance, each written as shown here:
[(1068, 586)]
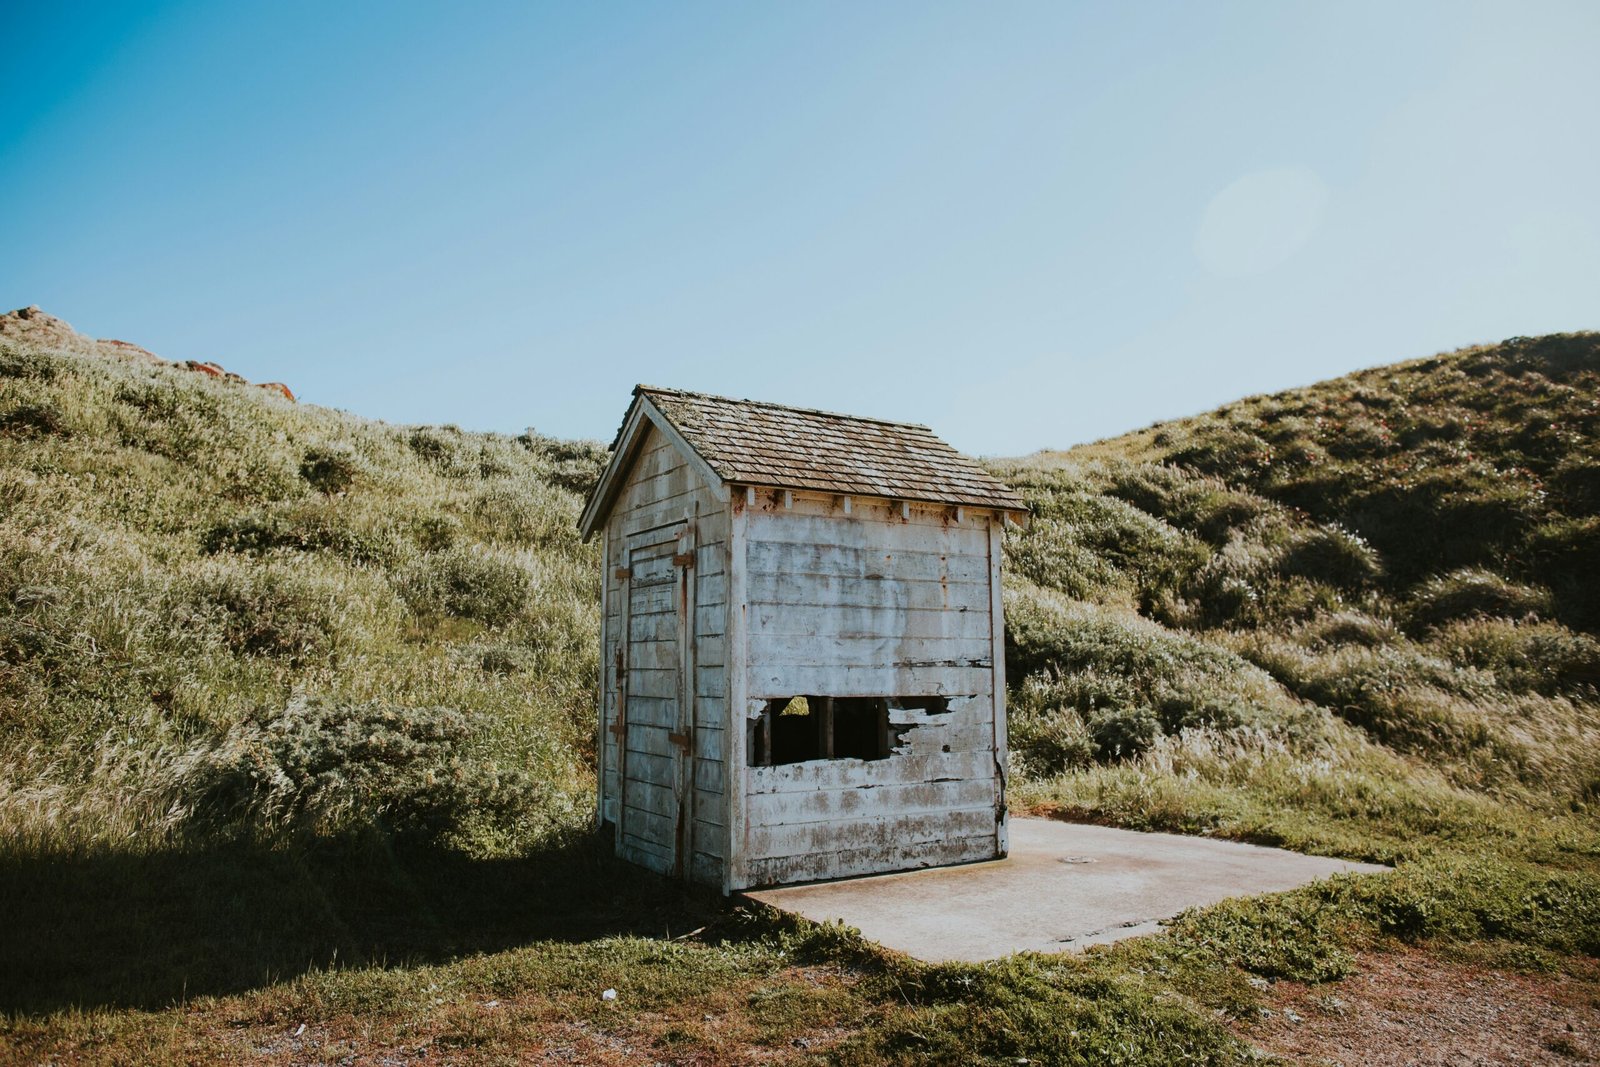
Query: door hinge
[(622, 572), (683, 559)]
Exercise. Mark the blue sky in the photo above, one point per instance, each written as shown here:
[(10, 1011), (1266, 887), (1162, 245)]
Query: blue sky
[(1026, 225)]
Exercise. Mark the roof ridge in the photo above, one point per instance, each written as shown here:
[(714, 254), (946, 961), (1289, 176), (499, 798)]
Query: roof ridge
[(653, 389)]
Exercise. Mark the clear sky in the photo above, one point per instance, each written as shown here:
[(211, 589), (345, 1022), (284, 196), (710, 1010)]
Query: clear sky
[(1026, 225)]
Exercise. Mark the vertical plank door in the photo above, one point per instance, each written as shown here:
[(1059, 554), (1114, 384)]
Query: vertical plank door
[(651, 753)]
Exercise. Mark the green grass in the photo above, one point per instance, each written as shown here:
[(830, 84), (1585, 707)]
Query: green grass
[(296, 725)]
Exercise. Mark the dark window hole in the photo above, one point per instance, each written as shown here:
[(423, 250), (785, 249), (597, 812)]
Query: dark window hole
[(802, 728)]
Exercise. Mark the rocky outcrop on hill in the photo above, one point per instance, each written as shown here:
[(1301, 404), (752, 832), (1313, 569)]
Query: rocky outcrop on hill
[(33, 326)]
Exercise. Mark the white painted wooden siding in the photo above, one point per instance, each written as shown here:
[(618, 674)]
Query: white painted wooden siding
[(877, 602)]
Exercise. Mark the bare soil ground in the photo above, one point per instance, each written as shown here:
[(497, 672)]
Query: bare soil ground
[(1412, 1008)]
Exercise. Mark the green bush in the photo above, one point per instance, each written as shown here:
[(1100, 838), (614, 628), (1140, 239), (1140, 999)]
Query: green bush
[(1470, 593), (1348, 628), (268, 611), (1094, 547), (18, 362), (469, 583), (1123, 733), (1576, 483), (1051, 743), (1205, 507), (1525, 657), (323, 768), (524, 512), (1113, 679), (1331, 555), (571, 465), (34, 420), (330, 469), (314, 527), (1047, 731)]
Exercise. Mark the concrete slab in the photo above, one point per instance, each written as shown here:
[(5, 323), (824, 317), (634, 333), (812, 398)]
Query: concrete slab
[(1064, 887)]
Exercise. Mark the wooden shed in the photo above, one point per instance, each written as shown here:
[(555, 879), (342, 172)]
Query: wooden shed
[(802, 661)]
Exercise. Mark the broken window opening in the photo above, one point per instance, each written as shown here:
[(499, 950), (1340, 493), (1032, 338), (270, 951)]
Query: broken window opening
[(804, 728)]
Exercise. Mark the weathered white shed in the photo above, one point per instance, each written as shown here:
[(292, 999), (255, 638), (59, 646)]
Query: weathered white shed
[(803, 672)]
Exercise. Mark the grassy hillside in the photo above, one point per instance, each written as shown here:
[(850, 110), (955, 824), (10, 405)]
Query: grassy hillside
[(1414, 549), (296, 725)]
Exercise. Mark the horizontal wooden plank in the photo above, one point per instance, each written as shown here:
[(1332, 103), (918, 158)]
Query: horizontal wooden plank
[(709, 824), (710, 712), (880, 832), (650, 484), (770, 681), (636, 850), (653, 599), (712, 589), (661, 684), (651, 797), (823, 775), (710, 620), (649, 827), (710, 559), (640, 513), (851, 862), (864, 564), (925, 532), (855, 802), (789, 590), (652, 741), (836, 620), (650, 767), (770, 650), (711, 681), (709, 776), (652, 711), (708, 741), (868, 512), (654, 655), (710, 841), (707, 870), (660, 626)]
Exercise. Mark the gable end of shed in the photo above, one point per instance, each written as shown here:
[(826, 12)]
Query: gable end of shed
[(643, 416)]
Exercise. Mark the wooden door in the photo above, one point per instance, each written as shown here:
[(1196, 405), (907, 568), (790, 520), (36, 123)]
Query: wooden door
[(657, 716)]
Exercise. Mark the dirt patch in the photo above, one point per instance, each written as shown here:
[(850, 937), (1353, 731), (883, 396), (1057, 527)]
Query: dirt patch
[(1413, 1008)]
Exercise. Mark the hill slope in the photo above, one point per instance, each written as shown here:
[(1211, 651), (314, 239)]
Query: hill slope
[(1415, 548), (189, 565), (287, 692)]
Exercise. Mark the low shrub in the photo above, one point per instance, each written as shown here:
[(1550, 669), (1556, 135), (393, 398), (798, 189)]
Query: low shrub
[(26, 363), (314, 527), (524, 512), (1204, 506), (267, 611), (1123, 733), (1348, 628), (1527, 657), (330, 469), (34, 420), (1472, 592), (491, 588), (1576, 483), (1332, 555), (572, 465), (321, 767)]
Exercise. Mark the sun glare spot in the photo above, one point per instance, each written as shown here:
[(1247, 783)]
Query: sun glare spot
[(1259, 221)]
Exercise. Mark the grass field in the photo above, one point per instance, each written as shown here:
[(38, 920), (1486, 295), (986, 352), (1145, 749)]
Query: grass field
[(295, 727)]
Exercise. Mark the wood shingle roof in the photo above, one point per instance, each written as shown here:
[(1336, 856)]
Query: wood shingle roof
[(749, 442)]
